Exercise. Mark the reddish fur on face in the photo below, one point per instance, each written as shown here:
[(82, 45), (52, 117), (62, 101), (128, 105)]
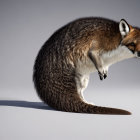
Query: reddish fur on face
[(138, 47), (132, 37)]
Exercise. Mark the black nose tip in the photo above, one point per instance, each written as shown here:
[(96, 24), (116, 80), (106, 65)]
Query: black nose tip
[(138, 54)]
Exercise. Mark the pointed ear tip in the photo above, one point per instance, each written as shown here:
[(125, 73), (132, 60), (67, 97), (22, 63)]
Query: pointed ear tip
[(123, 20)]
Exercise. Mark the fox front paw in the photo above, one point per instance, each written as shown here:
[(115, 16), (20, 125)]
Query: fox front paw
[(103, 73)]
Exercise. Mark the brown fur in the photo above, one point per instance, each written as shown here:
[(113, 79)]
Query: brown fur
[(54, 69)]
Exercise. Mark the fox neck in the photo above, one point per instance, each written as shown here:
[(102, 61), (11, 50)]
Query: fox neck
[(114, 56)]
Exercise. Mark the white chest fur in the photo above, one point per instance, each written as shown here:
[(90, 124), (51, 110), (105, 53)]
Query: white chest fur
[(86, 66), (119, 54)]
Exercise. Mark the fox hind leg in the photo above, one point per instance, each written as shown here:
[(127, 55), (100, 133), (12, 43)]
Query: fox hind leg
[(82, 83)]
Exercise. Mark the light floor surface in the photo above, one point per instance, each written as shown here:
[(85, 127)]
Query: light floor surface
[(24, 117)]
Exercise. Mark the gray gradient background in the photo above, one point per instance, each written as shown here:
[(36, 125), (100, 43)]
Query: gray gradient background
[(24, 26)]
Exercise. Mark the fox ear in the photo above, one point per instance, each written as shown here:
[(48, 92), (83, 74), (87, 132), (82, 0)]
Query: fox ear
[(124, 27)]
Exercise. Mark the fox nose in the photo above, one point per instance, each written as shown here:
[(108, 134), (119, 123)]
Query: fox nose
[(138, 54)]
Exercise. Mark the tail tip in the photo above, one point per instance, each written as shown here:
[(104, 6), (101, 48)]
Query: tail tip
[(124, 112), (128, 113)]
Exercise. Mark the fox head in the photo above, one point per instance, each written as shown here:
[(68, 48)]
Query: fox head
[(130, 37)]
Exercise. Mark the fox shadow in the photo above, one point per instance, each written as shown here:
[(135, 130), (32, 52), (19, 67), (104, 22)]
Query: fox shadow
[(25, 104)]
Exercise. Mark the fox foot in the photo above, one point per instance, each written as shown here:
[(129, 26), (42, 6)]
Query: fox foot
[(102, 74)]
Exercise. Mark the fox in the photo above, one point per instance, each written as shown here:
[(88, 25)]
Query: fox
[(84, 46)]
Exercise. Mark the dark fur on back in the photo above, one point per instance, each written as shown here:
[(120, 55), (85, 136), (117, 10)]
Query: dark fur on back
[(54, 76)]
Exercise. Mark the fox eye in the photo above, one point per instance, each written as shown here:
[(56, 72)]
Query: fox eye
[(132, 44)]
